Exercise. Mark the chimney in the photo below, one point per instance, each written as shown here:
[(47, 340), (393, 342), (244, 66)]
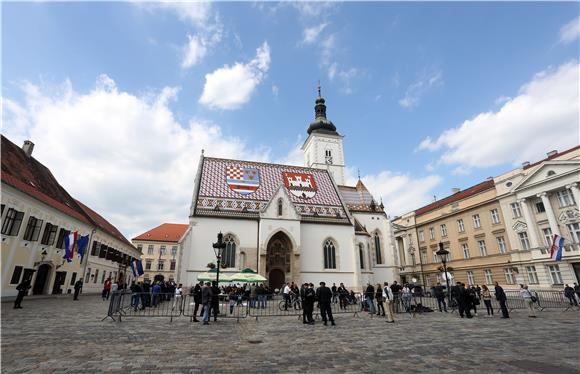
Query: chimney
[(552, 153), (434, 198), (455, 190), (525, 164), (27, 147)]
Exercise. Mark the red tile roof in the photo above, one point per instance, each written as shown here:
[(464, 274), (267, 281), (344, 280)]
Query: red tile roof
[(552, 157), (103, 224), (483, 186), (167, 232)]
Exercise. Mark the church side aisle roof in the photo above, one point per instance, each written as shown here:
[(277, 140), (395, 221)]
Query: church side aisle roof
[(358, 198), (237, 188)]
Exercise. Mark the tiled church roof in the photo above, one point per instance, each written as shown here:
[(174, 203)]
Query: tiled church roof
[(216, 197), (358, 198)]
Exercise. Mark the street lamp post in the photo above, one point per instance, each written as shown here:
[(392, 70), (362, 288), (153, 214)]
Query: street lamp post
[(442, 252), (218, 248)]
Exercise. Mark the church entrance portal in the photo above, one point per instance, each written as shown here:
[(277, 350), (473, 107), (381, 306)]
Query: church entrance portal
[(278, 260), (40, 282)]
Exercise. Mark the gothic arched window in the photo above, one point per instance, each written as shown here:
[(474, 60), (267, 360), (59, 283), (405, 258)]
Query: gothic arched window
[(279, 207), (329, 255), (361, 255), (378, 249), (229, 254)]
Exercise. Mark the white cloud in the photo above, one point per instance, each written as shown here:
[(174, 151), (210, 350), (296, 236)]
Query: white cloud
[(543, 116), (426, 81), (229, 87), (570, 31), (311, 33), (194, 51), (314, 9), (195, 13), (275, 90), (127, 156), (400, 192)]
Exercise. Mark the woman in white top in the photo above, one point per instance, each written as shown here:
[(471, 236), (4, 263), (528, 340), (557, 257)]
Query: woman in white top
[(177, 299)]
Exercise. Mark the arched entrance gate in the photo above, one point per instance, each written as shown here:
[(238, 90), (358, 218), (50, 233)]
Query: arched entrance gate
[(279, 260)]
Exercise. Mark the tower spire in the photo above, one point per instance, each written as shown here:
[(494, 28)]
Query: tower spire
[(318, 87)]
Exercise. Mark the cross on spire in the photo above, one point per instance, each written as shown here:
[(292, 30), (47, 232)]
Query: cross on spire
[(318, 87)]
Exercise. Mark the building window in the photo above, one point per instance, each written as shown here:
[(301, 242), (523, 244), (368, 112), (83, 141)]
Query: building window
[(73, 278), (172, 265), (49, 234), (482, 248), (12, 222), (147, 264), (421, 236), (279, 207), (501, 244), (555, 274), (476, 221), (494, 216), (96, 248), (162, 250), (88, 275), (565, 198), (229, 254), (470, 278), (33, 229), (460, 225), (103, 277), (96, 276), (423, 256), (574, 229), (378, 253), (432, 233), (160, 265), (524, 241), (540, 208), (532, 275), (16, 275), (61, 234), (435, 257), (328, 157), (150, 249), (443, 230), (548, 236), (361, 255), (516, 211), (488, 276), (140, 248), (329, 255), (509, 276), (174, 250), (465, 249)]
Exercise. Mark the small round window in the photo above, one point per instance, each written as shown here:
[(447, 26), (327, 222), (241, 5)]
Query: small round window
[(508, 184), (551, 172)]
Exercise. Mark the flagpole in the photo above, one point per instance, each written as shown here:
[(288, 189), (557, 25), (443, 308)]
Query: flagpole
[(88, 253)]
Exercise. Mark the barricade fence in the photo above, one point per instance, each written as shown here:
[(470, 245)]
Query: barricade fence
[(124, 304)]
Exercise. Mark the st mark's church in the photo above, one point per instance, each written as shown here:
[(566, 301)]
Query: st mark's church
[(290, 223)]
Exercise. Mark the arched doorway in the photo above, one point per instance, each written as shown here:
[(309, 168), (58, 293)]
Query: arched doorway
[(41, 277), (278, 260)]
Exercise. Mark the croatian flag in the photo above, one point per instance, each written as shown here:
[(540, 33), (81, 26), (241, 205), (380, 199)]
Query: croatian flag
[(82, 243), (137, 268), (556, 250), (70, 242)]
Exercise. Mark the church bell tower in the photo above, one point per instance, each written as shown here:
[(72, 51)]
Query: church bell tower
[(323, 147)]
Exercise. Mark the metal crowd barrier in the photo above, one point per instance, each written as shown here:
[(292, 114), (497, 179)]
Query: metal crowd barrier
[(227, 307)]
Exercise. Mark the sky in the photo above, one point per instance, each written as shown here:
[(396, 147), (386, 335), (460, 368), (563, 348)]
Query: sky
[(121, 97)]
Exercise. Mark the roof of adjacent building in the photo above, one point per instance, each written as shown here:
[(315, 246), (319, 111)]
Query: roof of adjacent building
[(359, 199), (312, 191), (551, 157), (28, 175), (166, 232), (483, 186)]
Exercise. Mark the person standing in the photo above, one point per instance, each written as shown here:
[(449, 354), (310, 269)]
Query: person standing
[(486, 296), (22, 289), (286, 294), (406, 297), (569, 293), (440, 296), (309, 298), (106, 289), (334, 293), (379, 298), (324, 296), (577, 291), (78, 289), (526, 294), (215, 300), (502, 299), (389, 300), (206, 296), (464, 301), (197, 300), (177, 299), (370, 298)]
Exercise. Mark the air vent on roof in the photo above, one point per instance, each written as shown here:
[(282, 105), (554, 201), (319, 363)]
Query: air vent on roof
[(455, 190), (552, 153), (27, 147), (525, 164)]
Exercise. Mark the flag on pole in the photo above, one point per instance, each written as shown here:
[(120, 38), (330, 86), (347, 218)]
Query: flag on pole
[(137, 268), (82, 243), (70, 242), (557, 245)]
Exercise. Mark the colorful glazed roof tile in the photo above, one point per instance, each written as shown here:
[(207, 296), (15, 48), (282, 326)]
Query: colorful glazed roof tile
[(166, 232), (359, 199), (244, 188)]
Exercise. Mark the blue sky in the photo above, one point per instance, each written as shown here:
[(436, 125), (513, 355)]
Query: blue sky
[(429, 96)]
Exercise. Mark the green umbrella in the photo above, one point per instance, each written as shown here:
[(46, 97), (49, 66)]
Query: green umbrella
[(247, 275), (211, 275)]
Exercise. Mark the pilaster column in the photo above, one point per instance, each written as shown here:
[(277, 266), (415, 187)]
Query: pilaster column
[(530, 223), (406, 246), (575, 192), (550, 213)]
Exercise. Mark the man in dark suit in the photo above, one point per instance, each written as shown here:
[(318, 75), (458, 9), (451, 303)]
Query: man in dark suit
[(324, 296), (22, 289), (309, 298), (196, 293), (501, 298), (78, 289)]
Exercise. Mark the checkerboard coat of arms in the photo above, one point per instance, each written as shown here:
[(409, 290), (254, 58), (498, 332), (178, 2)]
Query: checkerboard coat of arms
[(300, 184), (243, 180)]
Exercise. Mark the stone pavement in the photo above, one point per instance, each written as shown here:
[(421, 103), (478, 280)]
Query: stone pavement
[(62, 336)]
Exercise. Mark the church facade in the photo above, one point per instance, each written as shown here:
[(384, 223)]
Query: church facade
[(290, 223)]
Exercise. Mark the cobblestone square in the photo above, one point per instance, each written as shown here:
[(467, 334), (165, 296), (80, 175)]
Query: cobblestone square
[(61, 336)]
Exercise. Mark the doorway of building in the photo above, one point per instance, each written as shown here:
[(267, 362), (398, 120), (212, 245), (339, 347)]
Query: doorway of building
[(278, 260), (58, 282), (40, 282), (276, 279)]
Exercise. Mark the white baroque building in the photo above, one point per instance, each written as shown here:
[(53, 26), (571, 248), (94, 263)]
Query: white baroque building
[(290, 223)]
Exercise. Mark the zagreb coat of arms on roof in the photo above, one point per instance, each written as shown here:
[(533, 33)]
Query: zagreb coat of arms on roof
[(300, 184), (243, 180)]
